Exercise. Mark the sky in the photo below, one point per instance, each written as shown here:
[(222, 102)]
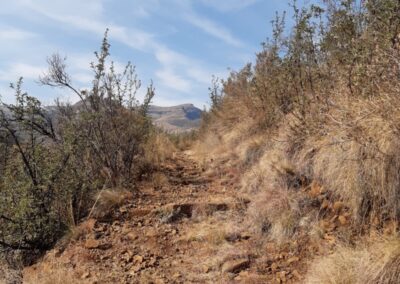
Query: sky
[(177, 44)]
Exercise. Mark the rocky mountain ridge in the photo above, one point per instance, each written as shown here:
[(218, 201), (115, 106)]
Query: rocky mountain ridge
[(176, 119)]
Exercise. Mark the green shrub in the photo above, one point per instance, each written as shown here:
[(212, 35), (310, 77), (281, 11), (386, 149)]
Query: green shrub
[(54, 160)]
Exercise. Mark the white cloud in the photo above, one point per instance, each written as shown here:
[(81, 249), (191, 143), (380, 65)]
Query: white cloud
[(14, 34), (84, 9), (166, 97), (17, 70), (85, 16), (169, 57), (82, 77), (141, 12), (231, 5), (193, 72), (173, 81), (205, 76), (79, 61), (6, 95), (213, 29)]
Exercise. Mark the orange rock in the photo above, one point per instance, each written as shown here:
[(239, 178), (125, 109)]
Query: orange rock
[(274, 266), (296, 274), (293, 259), (281, 276), (234, 266), (92, 244), (316, 189), (325, 204), (206, 269), (91, 223), (85, 275), (138, 259), (338, 206), (132, 236), (325, 224), (331, 239), (343, 220)]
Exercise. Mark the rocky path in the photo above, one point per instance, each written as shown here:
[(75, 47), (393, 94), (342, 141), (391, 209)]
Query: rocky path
[(168, 233), (184, 228)]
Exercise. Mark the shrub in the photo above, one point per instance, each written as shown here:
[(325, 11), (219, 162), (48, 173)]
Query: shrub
[(32, 176), (54, 160)]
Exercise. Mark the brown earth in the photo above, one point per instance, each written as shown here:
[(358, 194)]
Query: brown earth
[(182, 231)]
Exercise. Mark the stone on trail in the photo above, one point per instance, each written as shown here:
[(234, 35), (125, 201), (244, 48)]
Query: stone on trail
[(235, 266)]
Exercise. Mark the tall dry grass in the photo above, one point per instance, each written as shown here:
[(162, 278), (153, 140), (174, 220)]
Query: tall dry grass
[(315, 128), (377, 262), (157, 149)]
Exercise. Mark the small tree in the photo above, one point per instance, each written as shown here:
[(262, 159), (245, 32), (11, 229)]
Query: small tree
[(110, 122), (56, 158)]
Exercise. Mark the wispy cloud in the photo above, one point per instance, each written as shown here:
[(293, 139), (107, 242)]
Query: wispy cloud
[(231, 5), (14, 34), (173, 81), (213, 29), (17, 70)]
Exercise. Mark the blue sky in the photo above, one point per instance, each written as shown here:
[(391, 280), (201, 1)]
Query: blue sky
[(179, 44)]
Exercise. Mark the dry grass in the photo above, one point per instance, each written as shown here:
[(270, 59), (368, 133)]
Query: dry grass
[(279, 214), (159, 180), (107, 200), (352, 151), (305, 149), (374, 263), (54, 275), (346, 150), (355, 154), (158, 149), (213, 234), (78, 232)]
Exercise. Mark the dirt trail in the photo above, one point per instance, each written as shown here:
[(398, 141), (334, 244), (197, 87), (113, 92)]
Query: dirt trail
[(183, 232), (157, 237)]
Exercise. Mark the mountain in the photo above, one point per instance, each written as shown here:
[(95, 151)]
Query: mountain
[(177, 119)]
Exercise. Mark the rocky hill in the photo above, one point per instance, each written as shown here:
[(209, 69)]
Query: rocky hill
[(177, 119)]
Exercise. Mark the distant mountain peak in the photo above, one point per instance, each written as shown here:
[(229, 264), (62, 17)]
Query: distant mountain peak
[(176, 119)]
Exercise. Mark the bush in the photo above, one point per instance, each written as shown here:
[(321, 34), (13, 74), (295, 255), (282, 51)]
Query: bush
[(54, 160)]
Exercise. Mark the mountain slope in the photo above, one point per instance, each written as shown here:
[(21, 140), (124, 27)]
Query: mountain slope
[(181, 118)]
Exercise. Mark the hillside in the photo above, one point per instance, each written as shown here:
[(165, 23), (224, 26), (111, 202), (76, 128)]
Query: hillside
[(176, 119)]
